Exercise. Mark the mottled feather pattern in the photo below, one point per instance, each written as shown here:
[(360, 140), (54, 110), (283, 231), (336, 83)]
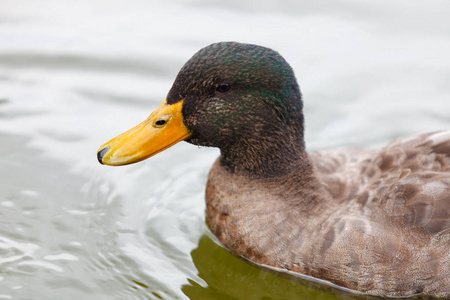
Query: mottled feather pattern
[(409, 178), (369, 218), (373, 221)]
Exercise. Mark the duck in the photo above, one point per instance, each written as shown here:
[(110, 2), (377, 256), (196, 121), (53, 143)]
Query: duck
[(372, 221)]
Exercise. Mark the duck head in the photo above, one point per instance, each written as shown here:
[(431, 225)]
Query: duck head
[(241, 98)]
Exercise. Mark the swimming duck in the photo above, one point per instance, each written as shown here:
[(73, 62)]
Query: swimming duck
[(373, 221)]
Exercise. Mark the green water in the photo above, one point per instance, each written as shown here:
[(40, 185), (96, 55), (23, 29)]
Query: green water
[(74, 74), (230, 278)]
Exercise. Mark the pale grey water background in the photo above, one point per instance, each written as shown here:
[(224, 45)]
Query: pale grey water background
[(74, 74)]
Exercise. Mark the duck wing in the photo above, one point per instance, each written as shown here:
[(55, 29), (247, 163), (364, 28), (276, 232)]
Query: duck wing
[(421, 195), (409, 180)]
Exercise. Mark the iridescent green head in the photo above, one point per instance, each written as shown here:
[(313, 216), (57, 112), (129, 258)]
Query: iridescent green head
[(235, 94), (241, 98)]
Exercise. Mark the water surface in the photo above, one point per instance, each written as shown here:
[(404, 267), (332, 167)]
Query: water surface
[(75, 74)]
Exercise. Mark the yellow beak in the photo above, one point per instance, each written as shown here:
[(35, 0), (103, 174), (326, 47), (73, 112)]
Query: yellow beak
[(162, 129)]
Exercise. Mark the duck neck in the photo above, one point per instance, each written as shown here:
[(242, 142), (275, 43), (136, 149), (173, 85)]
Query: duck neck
[(278, 194), (267, 157)]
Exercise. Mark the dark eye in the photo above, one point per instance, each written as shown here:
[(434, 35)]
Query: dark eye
[(223, 87)]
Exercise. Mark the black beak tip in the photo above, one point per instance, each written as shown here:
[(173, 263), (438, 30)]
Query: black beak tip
[(101, 153)]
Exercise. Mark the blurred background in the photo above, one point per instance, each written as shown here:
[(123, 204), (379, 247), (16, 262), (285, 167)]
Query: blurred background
[(74, 74)]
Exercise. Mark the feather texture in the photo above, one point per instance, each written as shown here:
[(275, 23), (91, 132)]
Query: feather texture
[(368, 220)]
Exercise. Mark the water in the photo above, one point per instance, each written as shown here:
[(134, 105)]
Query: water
[(74, 74)]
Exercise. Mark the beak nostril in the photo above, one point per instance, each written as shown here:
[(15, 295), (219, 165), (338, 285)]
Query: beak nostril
[(160, 123), (101, 153)]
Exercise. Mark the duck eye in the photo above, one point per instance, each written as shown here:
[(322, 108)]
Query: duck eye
[(223, 87)]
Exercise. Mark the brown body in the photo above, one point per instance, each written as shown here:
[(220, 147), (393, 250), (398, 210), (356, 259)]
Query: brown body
[(373, 221)]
